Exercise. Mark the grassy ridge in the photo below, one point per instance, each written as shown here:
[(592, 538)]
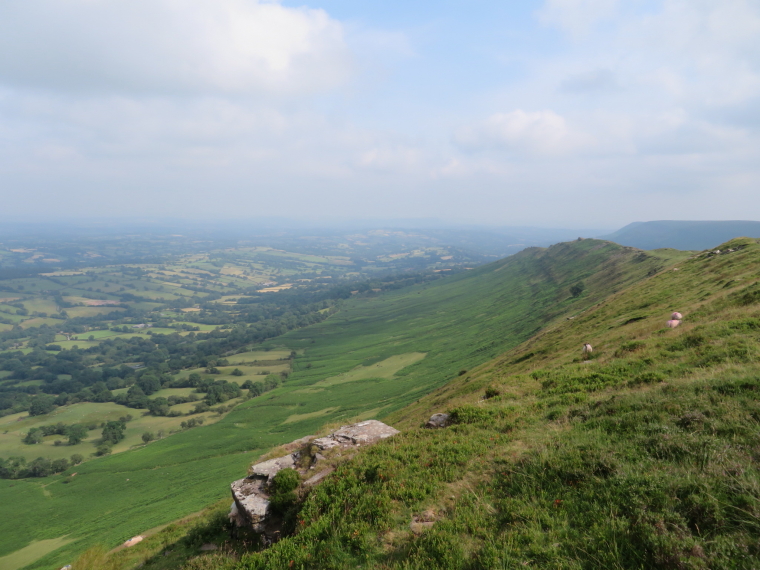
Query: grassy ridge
[(644, 457), (456, 323), (469, 318)]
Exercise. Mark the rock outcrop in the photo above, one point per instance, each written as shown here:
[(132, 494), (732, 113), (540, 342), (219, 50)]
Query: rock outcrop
[(250, 507), (438, 421)]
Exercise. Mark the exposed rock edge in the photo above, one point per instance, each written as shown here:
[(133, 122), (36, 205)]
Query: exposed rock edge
[(250, 507)]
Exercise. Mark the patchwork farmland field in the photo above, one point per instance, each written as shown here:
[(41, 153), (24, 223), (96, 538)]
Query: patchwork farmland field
[(159, 340)]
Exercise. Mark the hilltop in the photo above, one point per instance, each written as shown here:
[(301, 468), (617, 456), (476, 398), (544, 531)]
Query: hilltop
[(380, 352), (644, 456), (683, 234)]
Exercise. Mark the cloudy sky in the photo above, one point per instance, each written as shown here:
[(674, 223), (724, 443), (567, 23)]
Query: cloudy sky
[(574, 113)]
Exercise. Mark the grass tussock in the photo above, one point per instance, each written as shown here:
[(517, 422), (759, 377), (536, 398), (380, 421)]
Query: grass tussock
[(96, 558)]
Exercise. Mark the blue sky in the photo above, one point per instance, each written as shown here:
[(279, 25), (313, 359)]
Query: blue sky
[(573, 113)]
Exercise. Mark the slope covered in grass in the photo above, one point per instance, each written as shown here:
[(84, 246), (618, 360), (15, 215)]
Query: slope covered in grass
[(375, 356), (463, 321), (647, 456)]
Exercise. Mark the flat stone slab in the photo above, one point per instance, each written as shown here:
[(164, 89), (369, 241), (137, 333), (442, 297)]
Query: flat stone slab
[(325, 443), (364, 432), (270, 468)]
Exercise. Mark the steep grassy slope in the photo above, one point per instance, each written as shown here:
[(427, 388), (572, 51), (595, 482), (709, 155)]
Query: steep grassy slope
[(647, 456), (413, 340), (463, 321)]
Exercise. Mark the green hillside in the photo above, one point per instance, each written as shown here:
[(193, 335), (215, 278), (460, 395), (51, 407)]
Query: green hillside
[(645, 456), (375, 356)]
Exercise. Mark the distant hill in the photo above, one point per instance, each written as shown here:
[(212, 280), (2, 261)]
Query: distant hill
[(684, 235)]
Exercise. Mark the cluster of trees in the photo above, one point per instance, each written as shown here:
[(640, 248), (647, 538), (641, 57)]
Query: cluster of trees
[(18, 468), (218, 391), (191, 423), (113, 433), (161, 407), (75, 433), (91, 374), (258, 388)]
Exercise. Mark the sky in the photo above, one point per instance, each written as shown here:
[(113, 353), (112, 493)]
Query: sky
[(566, 113)]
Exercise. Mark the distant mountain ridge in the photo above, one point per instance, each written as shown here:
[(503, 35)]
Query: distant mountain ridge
[(683, 234)]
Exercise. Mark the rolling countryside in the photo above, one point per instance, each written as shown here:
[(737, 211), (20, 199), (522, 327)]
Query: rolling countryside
[(371, 358)]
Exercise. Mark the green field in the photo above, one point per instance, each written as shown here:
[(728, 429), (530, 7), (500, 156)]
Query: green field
[(29, 554), (13, 428), (253, 356), (375, 356)]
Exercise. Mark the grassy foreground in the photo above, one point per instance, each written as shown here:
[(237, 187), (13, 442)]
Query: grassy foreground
[(645, 457), (414, 340)]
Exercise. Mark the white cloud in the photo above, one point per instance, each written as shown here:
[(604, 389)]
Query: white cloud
[(590, 81), (703, 51), (390, 158), (536, 132), (231, 107), (170, 46), (576, 17)]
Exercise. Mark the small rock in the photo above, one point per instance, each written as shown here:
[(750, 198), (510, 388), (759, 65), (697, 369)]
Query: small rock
[(270, 468), (438, 421), (209, 546), (132, 541)]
